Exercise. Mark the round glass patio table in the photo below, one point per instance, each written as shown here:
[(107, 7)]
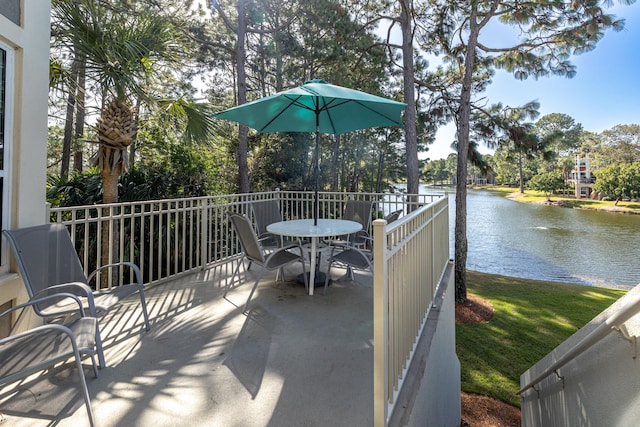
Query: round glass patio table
[(305, 228)]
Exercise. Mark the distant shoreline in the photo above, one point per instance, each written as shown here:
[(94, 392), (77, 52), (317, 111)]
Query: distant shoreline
[(537, 197)]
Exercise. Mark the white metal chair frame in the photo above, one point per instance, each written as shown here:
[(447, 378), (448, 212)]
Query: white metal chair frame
[(253, 251), (350, 257), (36, 349), (49, 264)]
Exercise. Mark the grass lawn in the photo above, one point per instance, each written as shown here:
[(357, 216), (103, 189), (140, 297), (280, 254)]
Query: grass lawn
[(531, 196), (531, 318)]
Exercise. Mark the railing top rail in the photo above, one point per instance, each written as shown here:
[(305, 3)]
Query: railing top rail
[(232, 196), (614, 322)]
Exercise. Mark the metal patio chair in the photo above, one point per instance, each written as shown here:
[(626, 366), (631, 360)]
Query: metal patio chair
[(42, 347), (350, 257), (393, 216), (358, 211), (49, 263), (254, 252), (266, 212)]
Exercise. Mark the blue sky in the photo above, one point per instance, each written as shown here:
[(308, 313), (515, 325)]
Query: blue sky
[(604, 93)]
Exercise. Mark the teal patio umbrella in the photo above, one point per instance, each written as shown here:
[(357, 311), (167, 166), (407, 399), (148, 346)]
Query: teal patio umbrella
[(316, 106)]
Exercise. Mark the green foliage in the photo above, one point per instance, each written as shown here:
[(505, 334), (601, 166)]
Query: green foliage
[(616, 145), (438, 172), (281, 161), (547, 182), (289, 42), (435, 172), (619, 181), (179, 170), (183, 171), (123, 49), (80, 188), (531, 318), (130, 51), (565, 131)]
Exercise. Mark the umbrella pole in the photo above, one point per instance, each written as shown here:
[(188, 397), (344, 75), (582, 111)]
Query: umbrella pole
[(316, 205)]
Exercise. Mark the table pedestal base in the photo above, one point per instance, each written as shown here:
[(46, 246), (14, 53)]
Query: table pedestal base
[(319, 278)]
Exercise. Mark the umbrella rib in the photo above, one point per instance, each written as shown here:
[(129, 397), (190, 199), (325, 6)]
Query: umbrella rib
[(376, 112), (329, 106), (294, 101)]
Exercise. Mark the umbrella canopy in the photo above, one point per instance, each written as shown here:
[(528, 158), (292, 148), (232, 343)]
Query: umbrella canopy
[(316, 106)]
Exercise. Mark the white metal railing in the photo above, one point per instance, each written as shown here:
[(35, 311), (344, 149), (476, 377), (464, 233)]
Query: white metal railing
[(613, 323), (168, 238), (410, 256)]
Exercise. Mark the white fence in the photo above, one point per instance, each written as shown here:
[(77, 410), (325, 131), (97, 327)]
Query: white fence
[(414, 252), (169, 238)]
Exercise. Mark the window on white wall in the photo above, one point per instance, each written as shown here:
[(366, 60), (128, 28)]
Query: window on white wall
[(6, 135)]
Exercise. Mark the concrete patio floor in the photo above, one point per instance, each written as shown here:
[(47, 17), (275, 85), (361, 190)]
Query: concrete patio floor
[(294, 360)]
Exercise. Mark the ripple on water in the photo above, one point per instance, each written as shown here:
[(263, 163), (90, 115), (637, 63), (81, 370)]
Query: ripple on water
[(549, 243)]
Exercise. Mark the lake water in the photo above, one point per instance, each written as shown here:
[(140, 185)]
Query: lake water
[(550, 243)]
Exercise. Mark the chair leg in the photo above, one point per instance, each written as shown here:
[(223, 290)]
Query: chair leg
[(99, 350), (95, 366), (326, 280), (304, 274), (233, 276), (143, 302), (349, 274), (255, 285), (83, 383)]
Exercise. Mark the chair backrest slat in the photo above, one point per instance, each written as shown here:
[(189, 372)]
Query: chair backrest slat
[(359, 211), (248, 239), (265, 212), (45, 256)]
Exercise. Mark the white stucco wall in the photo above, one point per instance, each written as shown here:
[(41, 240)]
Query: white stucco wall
[(600, 387), (28, 150)]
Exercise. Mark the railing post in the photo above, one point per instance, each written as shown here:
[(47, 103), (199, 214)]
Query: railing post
[(204, 233), (380, 325)]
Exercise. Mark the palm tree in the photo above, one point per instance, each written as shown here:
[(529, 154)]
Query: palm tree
[(126, 53), (508, 128)]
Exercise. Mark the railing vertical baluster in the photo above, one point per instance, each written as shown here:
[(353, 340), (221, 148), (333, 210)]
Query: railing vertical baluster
[(410, 255)]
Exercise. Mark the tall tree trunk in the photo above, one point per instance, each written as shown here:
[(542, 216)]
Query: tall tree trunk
[(133, 147), (520, 172), (78, 144), (410, 115), (109, 195), (243, 166), (334, 163), (464, 114), (69, 119), (379, 171)]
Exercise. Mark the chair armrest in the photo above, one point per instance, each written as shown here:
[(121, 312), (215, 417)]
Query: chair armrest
[(267, 236), (39, 300), (40, 347), (359, 237), (36, 300), (296, 245), (134, 267), (286, 248), (77, 289)]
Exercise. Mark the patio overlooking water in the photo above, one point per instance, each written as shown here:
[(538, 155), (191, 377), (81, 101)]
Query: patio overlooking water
[(342, 359), (292, 360)]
